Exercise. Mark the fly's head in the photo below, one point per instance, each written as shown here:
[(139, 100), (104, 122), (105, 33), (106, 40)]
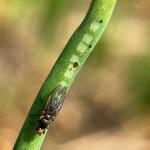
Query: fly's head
[(43, 124)]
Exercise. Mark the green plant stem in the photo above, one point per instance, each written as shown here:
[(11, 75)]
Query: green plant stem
[(67, 66)]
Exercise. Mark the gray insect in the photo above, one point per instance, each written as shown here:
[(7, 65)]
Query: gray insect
[(51, 109)]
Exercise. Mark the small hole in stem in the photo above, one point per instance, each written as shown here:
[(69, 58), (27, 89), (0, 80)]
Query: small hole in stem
[(75, 64), (101, 21)]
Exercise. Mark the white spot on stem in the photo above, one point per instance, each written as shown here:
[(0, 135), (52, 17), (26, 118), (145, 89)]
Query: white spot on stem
[(74, 58), (82, 47), (70, 66), (63, 83), (95, 25), (87, 38), (69, 73)]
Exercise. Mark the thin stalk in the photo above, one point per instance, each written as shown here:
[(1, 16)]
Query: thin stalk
[(66, 67)]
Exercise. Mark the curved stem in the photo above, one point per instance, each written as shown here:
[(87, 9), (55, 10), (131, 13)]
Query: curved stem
[(67, 66)]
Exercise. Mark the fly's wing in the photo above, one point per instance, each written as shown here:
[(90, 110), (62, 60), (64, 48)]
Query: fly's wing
[(55, 100)]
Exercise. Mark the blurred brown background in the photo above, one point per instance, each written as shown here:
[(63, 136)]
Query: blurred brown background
[(108, 105)]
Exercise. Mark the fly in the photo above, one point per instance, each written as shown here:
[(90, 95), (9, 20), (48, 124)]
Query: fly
[(51, 109)]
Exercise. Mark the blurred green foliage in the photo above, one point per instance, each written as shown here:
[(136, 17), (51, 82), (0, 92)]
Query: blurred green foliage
[(50, 15), (139, 81), (43, 14)]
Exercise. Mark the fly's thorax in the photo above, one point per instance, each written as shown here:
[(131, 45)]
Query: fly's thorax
[(43, 122)]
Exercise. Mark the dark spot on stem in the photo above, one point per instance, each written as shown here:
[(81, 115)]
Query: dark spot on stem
[(75, 64), (101, 21), (90, 46)]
